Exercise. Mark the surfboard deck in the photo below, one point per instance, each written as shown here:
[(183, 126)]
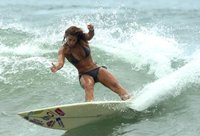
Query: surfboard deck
[(69, 116)]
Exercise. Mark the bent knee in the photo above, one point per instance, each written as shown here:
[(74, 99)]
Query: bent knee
[(87, 82), (88, 86)]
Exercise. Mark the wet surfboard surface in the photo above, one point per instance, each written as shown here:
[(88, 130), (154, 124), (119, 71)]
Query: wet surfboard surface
[(69, 116)]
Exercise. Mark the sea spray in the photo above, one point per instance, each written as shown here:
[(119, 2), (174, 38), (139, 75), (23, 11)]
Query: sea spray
[(168, 86), (143, 48)]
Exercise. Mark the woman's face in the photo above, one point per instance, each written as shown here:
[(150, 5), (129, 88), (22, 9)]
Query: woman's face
[(71, 40)]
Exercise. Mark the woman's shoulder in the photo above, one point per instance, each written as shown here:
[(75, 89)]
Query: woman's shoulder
[(63, 50), (84, 44)]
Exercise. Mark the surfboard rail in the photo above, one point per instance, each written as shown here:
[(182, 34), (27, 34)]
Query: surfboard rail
[(69, 116)]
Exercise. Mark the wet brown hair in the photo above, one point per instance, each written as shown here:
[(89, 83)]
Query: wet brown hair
[(78, 33)]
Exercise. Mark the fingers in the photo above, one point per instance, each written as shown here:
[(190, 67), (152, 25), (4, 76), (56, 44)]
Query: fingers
[(53, 68), (53, 64), (90, 27)]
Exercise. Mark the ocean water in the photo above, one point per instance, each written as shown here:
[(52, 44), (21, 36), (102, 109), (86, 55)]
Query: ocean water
[(152, 47)]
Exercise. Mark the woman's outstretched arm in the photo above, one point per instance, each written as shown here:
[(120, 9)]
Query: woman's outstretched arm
[(61, 61)]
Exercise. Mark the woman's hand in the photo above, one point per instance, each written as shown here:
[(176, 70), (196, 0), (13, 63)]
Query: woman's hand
[(90, 27), (54, 69)]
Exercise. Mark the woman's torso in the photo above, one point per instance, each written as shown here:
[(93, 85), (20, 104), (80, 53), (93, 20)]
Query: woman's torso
[(80, 57)]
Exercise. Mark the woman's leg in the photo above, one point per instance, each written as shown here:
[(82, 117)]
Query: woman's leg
[(108, 80), (87, 82)]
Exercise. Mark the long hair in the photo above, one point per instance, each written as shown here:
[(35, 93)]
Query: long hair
[(78, 33)]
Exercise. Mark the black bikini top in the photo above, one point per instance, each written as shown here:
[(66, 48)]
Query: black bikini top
[(75, 61)]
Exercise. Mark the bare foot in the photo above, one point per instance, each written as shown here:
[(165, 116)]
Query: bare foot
[(125, 97)]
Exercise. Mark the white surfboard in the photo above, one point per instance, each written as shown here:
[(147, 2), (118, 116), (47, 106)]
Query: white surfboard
[(66, 117)]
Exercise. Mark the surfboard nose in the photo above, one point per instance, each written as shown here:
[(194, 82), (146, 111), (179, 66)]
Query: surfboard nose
[(22, 114)]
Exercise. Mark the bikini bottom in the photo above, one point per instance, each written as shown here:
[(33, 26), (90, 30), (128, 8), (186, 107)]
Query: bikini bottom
[(93, 73)]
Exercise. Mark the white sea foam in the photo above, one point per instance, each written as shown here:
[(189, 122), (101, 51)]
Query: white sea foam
[(168, 86), (142, 48), (23, 49)]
